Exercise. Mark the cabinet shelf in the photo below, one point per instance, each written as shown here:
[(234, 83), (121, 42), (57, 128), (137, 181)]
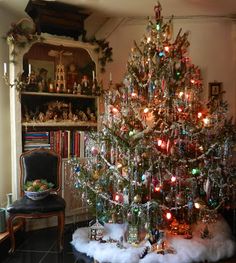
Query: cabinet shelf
[(31, 93), (59, 124)]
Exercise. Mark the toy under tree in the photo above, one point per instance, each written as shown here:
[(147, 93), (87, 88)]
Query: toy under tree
[(162, 159)]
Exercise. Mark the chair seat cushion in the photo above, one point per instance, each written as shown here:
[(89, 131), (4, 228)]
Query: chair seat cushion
[(24, 205)]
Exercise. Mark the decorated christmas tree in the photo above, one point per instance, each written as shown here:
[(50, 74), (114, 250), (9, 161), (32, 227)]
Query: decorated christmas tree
[(162, 158)]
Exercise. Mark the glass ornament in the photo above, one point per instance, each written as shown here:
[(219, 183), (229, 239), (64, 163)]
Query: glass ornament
[(99, 206), (135, 210), (95, 175), (190, 204), (94, 151), (137, 198), (77, 185), (77, 169), (195, 171)]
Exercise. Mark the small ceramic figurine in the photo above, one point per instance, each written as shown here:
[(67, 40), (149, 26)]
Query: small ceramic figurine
[(49, 115), (82, 116), (85, 86), (42, 80), (72, 78), (41, 117), (65, 115)]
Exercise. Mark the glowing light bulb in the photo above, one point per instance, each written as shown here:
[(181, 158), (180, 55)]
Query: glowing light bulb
[(197, 205), (159, 142), (192, 81), (118, 165), (146, 110), (117, 197), (168, 215), (157, 189), (206, 121), (200, 148), (167, 49), (179, 109), (163, 145), (199, 115), (133, 95), (115, 110), (148, 39), (173, 179), (181, 94)]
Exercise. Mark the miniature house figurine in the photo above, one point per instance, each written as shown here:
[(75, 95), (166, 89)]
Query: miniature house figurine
[(96, 231), (133, 234)]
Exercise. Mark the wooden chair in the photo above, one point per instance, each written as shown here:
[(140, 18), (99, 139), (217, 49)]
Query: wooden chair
[(39, 164)]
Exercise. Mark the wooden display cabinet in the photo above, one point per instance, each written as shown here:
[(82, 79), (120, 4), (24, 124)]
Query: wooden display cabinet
[(60, 99)]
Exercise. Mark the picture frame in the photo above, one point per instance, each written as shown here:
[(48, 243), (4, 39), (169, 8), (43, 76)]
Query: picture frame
[(215, 89), (215, 94), (37, 65)]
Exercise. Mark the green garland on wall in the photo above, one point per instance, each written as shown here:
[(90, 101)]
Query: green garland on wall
[(23, 33)]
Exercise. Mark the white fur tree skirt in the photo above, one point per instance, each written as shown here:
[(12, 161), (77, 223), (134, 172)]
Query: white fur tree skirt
[(220, 245)]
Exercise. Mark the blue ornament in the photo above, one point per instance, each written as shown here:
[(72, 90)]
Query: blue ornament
[(99, 206), (77, 169), (161, 54), (190, 204), (77, 185)]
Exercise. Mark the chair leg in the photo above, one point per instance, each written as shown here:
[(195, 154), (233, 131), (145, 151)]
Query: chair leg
[(11, 234), (61, 224)]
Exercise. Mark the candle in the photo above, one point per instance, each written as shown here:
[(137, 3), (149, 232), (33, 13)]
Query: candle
[(93, 75), (29, 69), (110, 77), (5, 68)]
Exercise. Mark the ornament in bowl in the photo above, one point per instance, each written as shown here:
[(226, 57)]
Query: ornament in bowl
[(37, 189)]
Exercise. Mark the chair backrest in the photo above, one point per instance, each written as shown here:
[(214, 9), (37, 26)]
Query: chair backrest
[(40, 164)]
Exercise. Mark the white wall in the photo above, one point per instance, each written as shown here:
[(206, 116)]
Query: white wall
[(212, 48), (5, 147)]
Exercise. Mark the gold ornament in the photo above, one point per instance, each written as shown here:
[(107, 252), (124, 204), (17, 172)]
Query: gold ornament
[(137, 199), (95, 175)]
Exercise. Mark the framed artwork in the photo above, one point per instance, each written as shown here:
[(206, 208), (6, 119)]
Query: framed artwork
[(215, 94), (44, 67), (215, 89)]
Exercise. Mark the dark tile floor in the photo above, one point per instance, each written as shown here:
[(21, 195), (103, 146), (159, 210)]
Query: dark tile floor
[(40, 246)]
